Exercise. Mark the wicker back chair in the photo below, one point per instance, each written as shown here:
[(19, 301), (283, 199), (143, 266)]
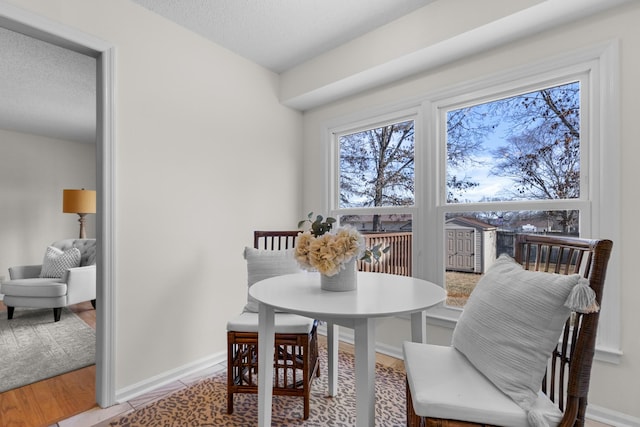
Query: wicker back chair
[(275, 240), (296, 354), (566, 382)]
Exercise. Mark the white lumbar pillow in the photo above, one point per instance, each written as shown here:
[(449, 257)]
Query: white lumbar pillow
[(511, 323), (265, 264)]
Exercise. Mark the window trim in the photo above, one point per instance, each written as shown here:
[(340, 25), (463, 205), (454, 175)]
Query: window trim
[(509, 90), (489, 91), (334, 161), (601, 63)]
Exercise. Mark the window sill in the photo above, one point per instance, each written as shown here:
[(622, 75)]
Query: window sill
[(440, 315), (443, 316), (447, 317)]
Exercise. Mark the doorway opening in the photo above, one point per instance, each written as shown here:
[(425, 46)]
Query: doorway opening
[(32, 25)]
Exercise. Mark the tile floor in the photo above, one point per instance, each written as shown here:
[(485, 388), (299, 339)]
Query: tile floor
[(98, 417)]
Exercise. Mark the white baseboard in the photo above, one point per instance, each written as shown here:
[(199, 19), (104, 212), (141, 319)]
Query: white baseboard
[(613, 418), (153, 383), (346, 335)]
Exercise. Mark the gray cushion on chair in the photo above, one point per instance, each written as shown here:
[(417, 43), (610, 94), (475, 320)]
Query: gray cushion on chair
[(35, 288), (510, 324), (264, 264)]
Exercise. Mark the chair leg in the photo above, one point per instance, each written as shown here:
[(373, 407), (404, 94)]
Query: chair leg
[(305, 414), (10, 312), (229, 403), (315, 358), (56, 313), (413, 420), (230, 370), (93, 303), (291, 352)]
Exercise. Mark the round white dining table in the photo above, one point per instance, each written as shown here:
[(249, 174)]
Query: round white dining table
[(377, 295)]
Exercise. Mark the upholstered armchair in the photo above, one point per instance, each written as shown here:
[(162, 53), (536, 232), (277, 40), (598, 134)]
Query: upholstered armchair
[(66, 276)]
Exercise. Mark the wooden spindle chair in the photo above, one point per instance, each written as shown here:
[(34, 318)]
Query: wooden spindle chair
[(566, 381), (296, 361)]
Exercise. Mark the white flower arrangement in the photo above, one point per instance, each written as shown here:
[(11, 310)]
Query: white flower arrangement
[(328, 251)]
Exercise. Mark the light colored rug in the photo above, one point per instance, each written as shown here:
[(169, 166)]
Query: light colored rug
[(205, 403), (33, 347)]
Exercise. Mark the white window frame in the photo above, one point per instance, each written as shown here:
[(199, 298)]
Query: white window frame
[(600, 154), (334, 154), (586, 203)]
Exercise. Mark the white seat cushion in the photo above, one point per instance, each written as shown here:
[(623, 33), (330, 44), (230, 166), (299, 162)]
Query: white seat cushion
[(444, 384), (36, 288), (285, 323)]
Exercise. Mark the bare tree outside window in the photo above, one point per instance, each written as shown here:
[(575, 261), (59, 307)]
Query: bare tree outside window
[(377, 168), (524, 148)]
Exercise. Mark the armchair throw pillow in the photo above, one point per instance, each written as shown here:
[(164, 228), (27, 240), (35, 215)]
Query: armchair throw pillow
[(264, 264), (511, 323), (56, 262)]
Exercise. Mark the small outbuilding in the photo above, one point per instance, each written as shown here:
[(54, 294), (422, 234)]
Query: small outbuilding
[(470, 245)]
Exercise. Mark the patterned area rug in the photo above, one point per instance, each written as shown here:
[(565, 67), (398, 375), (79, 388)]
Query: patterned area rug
[(205, 403), (33, 347)]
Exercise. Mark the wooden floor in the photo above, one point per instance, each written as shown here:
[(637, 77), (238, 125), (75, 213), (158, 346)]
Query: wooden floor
[(46, 402)]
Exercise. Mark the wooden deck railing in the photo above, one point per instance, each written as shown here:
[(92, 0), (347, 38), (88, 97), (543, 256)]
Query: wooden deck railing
[(397, 260)]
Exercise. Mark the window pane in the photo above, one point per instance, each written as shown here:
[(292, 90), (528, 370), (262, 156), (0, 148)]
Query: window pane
[(377, 166), (474, 240), (526, 147), (395, 233)]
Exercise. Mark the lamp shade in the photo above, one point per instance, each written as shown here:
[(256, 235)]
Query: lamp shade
[(79, 201)]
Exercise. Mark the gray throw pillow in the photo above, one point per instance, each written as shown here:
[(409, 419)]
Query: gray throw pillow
[(56, 262), (264, 264), (511, 323)]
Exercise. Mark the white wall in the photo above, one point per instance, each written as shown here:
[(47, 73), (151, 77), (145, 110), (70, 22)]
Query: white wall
[(204, 154), (613, 386), (196, 123), (33, 172)]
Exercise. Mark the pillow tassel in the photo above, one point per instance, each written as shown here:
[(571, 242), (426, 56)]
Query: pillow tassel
[(536, 418), (582, 298)]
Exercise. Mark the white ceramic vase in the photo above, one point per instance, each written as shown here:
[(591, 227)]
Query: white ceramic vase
[(345, 280)]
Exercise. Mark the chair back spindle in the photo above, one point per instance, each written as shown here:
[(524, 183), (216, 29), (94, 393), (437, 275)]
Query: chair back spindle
[(568, 374), (275, 240)]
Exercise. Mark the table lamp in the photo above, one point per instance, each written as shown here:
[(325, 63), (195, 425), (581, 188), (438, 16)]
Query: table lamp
[(81, 202)]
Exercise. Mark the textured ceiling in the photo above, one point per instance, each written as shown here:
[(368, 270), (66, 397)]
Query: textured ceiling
[(279, 34), (50, 91), (46, 90)]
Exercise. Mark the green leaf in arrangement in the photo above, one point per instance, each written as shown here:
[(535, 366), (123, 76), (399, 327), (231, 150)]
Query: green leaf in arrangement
[(320, 226)]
